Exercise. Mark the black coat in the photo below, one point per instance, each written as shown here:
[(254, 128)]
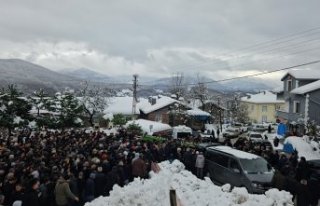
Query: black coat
[(100, 184), (31, 199)]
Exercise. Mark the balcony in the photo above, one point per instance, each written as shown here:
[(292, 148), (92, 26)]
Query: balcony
[(289, 116)]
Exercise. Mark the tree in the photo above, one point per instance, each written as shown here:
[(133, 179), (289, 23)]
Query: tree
[(14, 109), (69, 110), (134, 129), (239, 112), (40, 100), (177, 85), (199, 91), (119, 119), (94, 100)]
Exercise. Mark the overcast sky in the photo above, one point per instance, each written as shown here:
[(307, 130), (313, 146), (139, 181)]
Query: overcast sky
[(160, 37)]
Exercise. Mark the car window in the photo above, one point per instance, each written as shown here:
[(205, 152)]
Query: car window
[(219, 159), (254, 166), (234, 164)]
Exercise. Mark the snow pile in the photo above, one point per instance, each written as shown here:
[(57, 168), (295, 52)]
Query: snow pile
[(189, 189)]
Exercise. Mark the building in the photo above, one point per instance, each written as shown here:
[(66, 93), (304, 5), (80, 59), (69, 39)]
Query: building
[(262, 107), (173, 112), (301, 93)]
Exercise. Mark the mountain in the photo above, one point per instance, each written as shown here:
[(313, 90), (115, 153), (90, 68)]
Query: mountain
[(246, 85), (30, 77), (86, 74)]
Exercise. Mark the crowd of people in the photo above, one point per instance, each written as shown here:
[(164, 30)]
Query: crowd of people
[(60, 168), (70, 168)]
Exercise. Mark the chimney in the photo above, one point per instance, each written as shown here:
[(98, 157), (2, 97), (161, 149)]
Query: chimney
[(152, 100)]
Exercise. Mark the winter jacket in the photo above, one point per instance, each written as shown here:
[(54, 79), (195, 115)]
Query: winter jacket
[(63, 192), (100, 184), (200, 161), (138, 168), (31, 199)]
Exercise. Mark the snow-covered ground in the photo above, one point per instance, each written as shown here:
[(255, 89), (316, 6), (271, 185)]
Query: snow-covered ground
[(189, 189)]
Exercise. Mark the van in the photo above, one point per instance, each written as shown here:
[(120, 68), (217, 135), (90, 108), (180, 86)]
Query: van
[(239, 169)]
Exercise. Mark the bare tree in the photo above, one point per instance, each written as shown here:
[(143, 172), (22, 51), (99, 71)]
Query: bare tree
[(199, 91), (177, 85), (94, 100)]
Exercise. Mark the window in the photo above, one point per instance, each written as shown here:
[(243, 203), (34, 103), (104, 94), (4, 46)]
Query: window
[(264, 108), (264, 118), (158, 117), (296, 107), (297, 84), (219, 159), (234, 165), (278, 107), (289, 85)]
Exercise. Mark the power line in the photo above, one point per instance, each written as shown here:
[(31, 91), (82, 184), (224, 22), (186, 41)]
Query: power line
[(271, 42), (253, 75)]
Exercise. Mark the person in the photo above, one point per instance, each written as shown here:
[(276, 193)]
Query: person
[(1, 200), (138, 167), (63, 192), (32, 197), (100, 182), (200, 164), (269, 128), (302, 172)]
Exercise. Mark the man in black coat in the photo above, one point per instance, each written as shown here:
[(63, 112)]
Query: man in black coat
[(100, 182), (32, 197)]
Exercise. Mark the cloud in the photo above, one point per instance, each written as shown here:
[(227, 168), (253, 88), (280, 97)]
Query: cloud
[(156, 37)]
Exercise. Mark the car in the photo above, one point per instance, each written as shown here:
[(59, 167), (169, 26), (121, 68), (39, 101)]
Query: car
[(241, 127), (225, 165), (231, 132), (255, 135), (259, 127)]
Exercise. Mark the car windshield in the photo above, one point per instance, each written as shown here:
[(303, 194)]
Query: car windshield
[(255, 136), (254, 166)]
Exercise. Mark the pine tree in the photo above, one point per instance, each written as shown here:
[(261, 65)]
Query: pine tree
[(14, 109)]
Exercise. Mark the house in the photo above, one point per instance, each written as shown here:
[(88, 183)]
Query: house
[(301, 93), (173, 112), (262, 107)]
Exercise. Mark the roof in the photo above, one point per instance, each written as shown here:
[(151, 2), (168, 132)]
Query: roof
[(147, 124), (197, 112), (303, 74), (307, 88), (123, 105), (237, 153), (263, 97), (161, 101), (303, 148)]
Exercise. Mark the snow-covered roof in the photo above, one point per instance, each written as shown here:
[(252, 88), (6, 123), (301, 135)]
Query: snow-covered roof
[(182, 128), (161, 101), (307, 88), (263, 97), (303, 148), (238, 153), (123, 105), (303, 74), (190, 190), (197, 112), (147, 124)]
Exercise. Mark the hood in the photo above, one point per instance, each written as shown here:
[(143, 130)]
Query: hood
[(261, 178)]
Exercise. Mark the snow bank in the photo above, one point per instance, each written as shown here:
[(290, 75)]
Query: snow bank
[(189, 189)]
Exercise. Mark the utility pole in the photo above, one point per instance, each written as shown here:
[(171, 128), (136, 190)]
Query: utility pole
[(220, 114), (134, 100)]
